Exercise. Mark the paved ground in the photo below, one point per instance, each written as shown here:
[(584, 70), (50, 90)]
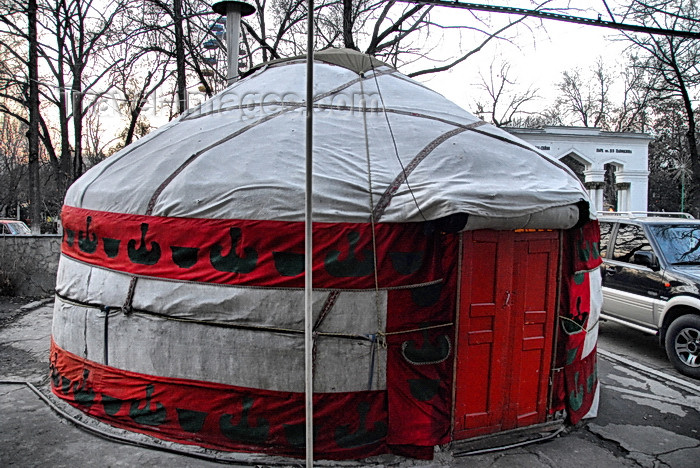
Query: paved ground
[(645, 420)]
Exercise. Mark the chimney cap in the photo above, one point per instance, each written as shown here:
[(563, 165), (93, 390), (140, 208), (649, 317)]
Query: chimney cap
[(223, 6)]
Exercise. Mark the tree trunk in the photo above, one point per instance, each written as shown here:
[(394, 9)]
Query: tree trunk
[(180, 57), (694, 186), (33, 134), (77, 101), (694, 195), (63, 172), (348, 22)]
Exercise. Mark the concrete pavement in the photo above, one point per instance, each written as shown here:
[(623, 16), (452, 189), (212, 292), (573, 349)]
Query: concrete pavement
[(644, 420)]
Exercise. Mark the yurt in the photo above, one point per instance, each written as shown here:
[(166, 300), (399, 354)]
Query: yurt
[(455, 273)]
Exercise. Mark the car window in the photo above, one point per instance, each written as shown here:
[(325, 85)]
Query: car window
[(14, 228), (605, 230), (679, 244), (630, 239), (21, 228)]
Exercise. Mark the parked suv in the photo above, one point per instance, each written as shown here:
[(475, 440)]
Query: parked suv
[(12, 227), (651, 279)]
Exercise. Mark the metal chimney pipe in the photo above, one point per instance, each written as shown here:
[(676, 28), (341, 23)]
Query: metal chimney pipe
[(233, 10)]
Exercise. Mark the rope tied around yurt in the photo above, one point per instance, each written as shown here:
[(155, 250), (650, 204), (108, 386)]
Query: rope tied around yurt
[(420, 329), (377, 304), (572, 327), (211, 323), (128, 305)]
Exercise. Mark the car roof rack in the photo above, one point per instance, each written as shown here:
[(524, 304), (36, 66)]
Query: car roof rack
[(645, 214)]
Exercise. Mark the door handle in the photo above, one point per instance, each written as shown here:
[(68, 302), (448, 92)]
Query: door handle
[(509, 296)]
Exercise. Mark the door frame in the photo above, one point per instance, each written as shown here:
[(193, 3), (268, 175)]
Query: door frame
[(554, 324)]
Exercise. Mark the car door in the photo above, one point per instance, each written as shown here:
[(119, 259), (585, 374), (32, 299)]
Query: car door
[(631, 289)]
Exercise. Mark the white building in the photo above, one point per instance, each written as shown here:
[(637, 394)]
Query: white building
[(590, 152)]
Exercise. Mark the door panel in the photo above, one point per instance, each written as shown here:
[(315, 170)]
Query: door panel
[(533, 329), (508, 291), (479, 395)]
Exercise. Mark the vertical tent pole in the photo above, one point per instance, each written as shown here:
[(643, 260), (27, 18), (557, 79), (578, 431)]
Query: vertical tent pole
[(308, 245)]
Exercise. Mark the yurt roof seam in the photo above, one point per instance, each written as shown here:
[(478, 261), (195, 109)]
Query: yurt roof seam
[(317, 97), (410, 80), (267, 118), (461, 128), (386, 197), (555, 163), (109, 162), (174, 174), (396, 153)]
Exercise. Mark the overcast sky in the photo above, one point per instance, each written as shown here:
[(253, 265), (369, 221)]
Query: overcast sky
[(537, 57)]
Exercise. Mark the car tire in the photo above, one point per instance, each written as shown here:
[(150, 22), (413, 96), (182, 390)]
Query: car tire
[(683, 345)]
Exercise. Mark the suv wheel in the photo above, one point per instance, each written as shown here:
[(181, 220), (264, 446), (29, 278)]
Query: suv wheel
[(683, 345)]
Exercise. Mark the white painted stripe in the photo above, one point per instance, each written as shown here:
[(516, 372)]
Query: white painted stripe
[(650, 396), (661, 375)]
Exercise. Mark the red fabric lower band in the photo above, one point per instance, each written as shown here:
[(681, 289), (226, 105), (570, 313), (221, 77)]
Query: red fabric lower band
[(222, 417)]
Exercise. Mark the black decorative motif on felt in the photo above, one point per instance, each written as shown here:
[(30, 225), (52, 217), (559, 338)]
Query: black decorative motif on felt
[(146, 412), (575, 324), (424, 389), (190, 420), (406, 263), (428, 352), (111, 246), (184, 257), (111, 404), (362, 436), (233, 263), (87, 241), (427, 296), (296, 434), (288, 263), (69, 236), (352, 265), (243, 431), (142, 254)]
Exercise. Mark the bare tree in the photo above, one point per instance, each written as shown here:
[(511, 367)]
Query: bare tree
[(19, 99), (587, 98), (13, 162), (137, 78), (675, 61), (632, 114), (399, 33), (33, 133), (84, 30), (505, 103)]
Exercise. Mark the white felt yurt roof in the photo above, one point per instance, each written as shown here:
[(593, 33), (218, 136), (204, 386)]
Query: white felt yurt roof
[(383, 143)]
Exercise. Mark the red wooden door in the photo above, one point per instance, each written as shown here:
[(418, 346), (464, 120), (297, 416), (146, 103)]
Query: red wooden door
[(506, 325)]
